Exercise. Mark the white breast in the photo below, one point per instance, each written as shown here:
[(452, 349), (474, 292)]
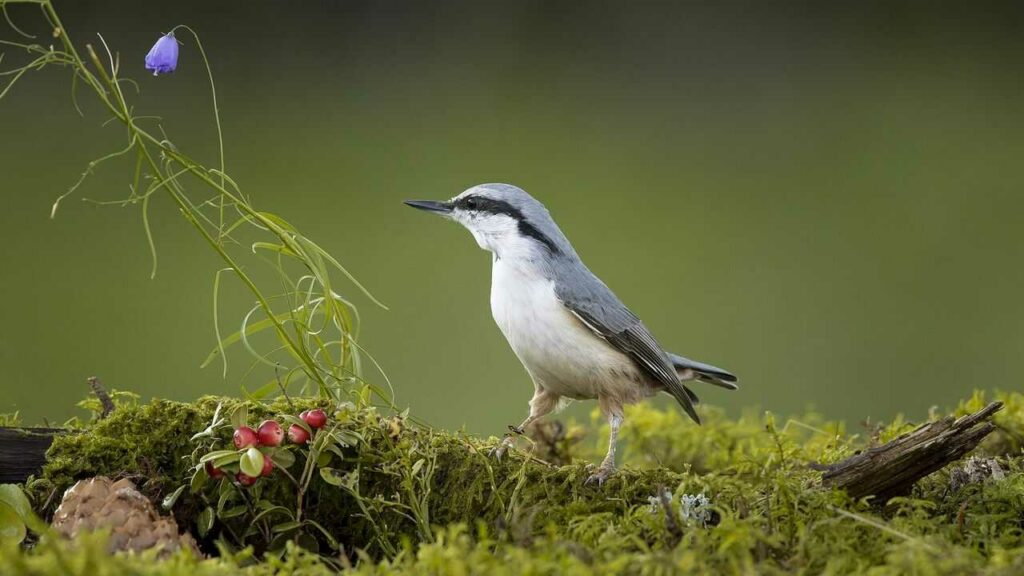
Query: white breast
[(560, 352)]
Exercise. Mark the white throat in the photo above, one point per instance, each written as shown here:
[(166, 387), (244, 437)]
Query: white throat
[(500, 235)]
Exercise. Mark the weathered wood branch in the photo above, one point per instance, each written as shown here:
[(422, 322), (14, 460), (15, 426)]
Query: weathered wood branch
[(23, 452), (892, 469), (101, 394)]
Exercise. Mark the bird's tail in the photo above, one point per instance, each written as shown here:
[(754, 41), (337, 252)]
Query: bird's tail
[(692, 370), (688, 369)]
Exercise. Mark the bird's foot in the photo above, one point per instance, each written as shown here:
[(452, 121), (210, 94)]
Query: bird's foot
[(602, 473), (498, 452)]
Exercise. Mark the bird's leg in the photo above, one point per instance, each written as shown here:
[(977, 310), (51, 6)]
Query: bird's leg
[(510, 437), (542, 403), (607, 466)]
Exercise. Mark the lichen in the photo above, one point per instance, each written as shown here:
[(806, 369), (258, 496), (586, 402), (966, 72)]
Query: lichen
[(436, 502)]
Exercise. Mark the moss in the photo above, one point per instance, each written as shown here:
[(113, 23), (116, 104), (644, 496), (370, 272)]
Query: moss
[(429, 501), (87, 556), (146, 443)]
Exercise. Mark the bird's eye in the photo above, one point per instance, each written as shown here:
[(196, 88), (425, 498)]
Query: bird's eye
[(471, 203)]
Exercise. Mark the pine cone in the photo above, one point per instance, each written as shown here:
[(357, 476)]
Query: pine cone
[(134, 523)]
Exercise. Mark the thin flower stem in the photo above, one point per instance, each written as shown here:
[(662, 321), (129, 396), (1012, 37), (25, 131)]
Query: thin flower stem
[(216, 111)]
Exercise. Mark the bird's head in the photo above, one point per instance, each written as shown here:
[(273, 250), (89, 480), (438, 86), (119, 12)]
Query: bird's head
[(504, 219)]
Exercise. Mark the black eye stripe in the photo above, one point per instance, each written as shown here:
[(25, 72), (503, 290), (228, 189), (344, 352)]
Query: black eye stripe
[(492, 206), (489, 206)]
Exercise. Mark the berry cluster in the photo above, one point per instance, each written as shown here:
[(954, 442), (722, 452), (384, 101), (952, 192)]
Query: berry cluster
[(269, 434)]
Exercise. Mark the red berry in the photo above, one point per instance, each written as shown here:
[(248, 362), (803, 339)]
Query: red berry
[(268, 466), (245, 437), (270, 433), (245, 480), (213, 472), (315, 418), (297, 434)]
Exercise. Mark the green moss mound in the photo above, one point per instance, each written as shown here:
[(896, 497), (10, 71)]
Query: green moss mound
[(422, 501)]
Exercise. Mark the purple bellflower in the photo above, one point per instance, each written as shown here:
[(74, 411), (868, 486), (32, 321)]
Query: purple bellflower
[(163, 56)]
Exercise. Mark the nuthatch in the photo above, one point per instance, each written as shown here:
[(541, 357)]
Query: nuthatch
[(576, 339)]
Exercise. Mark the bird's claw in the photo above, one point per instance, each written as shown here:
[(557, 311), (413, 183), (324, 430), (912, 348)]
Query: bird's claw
[(599, 476), (499, 451)]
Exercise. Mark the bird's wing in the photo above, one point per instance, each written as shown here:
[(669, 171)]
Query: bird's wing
[(600, 310)]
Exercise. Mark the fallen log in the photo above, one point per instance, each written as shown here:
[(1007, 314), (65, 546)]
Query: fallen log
[(23, 452), (891, 469)]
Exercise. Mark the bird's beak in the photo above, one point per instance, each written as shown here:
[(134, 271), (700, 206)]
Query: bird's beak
[(431, 206)]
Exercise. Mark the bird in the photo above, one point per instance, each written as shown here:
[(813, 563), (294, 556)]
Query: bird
[(572, 334)]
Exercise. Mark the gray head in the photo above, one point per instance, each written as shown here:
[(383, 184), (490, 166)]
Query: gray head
[(505, 220)]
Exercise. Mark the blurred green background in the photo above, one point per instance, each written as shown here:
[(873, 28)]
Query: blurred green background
[(825, 199)]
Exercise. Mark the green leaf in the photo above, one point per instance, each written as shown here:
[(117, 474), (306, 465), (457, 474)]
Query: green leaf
[(323, 459), (12, 527), (214, 423), (240, 415), (331, 541), (336, 451), (332, 477), (322, 440), (272, 510), (252, 462), (250, 329), (171, 498), (225, 496), (261, 392), (342, 269), (348, 437), (233, 512), (278, 544), (199, 479), (299, 421), (285, 527), (227, 462), (12, 495), (270, 246), (308, 542), (204, 522), (416, 466), (277, 221), (216, 455), (282, 458)]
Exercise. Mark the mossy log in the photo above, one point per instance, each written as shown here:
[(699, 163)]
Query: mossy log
[(892, 469), (419, 500), (149, 444)]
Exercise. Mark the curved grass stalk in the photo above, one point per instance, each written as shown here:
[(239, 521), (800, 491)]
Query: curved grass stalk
[(305, 329)]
